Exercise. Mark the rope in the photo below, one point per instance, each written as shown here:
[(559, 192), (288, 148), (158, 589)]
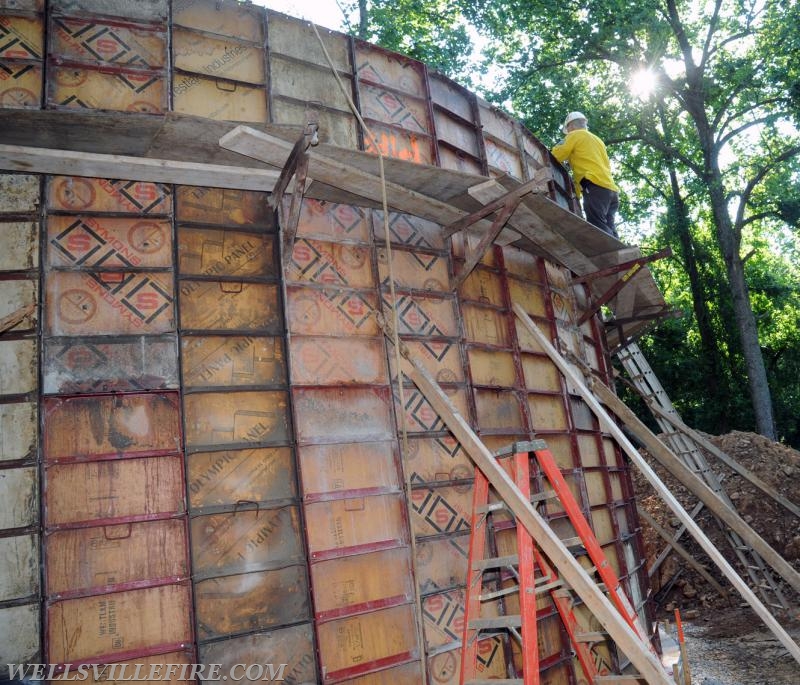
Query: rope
[(395, 327)]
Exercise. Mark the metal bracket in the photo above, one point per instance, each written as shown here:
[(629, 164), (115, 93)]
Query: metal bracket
[(630, 267)]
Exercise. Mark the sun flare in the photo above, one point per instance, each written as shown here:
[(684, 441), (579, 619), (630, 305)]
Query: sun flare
[(642, 84)]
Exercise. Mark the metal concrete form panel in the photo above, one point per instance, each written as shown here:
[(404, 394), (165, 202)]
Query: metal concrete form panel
[(106, 426), (115, 491), (229, 305), (19, 567), (247, 539), (93, 41), (219, 99), (20, 244), (118, 625), (99, 365), (293, 646), (222, 479), (108, 242), (86, 559), (236, 418), (222, 206), (142, 10), (252, 601), (78, 194), (233, 361), (224, 18), (18, 431)]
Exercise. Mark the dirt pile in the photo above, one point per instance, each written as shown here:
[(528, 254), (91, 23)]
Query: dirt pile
[(675, 583)]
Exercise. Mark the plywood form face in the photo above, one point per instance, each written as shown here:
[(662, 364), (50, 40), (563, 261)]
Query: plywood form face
[(18, 431), (210, 252), (119, 623), (338, 361), (76, 194), (218, 99), (20, 245), (144, 10), (18, 366), (334, 222), (233, 361), (125, 91), (19, 635), (218, 57), (95, 41), (223, 206), (116, 672), (227, 18), (347, 468), (342, 415), (330, 264)]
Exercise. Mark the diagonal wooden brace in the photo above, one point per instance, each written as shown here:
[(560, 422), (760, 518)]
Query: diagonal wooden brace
[(631, 268)]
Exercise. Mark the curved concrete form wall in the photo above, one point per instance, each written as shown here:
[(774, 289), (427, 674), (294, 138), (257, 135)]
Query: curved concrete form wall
[(206, 456)]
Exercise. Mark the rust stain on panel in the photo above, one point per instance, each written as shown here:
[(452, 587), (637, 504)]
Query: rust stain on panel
[(109, 303), (19, 567), (88, 558), (437, 459), (80, 365), (438, 510), (342, 414), (340, 524), (442, 562), (18, 361), (322, 360), (217, 57), (21, 37), (499, 410), (110, 425), (492, 368), (117, 623), (362, 580), (292, 646), (416, 270), (331, 221), (20, 496), (101, 43), (20, 243), (349, 643), (245, 540), (330, 264), (351, 466), (210, 252), (227, 361), (420, 416), (221, 305), (126, 91), (91, 241), (223, 206), (78, 194), (227, 19), (331, 311), (113, 490), (237, 417), (18, 431), (442, 359), (224, 478), (20, 85), (251, 601), (217, 99)]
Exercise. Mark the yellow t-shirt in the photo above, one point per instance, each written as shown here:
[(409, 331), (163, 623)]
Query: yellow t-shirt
[(587, 158)]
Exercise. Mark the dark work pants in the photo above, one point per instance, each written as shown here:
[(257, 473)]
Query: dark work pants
[(600, 206)]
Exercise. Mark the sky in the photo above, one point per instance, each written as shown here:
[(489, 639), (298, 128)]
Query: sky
[(321, 12)]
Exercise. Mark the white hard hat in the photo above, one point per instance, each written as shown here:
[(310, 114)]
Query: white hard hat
[(572, 116)]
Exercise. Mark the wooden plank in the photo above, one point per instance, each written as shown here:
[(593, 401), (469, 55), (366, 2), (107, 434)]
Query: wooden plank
[(627, 640), (610, 426), (727, 460), (94, 165), (681, 550)]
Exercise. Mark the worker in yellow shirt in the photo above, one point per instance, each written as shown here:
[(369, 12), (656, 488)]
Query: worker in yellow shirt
[(591, 171)]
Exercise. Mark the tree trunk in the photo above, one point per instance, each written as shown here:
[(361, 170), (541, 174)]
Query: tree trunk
[(760, 396), (708, 342)]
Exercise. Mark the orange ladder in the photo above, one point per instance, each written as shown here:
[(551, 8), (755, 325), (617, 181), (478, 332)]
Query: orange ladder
[(523, 626)]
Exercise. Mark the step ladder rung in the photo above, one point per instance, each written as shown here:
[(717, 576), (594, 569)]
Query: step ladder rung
[(549, 586), (498, 593), (495, 562), (542, 496), (496, 622)]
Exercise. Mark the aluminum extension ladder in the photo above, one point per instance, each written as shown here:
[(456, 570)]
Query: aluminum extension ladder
[(690, 453), (515, 577)]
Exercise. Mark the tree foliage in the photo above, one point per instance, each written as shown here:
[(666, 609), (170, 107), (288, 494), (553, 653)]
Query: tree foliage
[(710, 156)]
